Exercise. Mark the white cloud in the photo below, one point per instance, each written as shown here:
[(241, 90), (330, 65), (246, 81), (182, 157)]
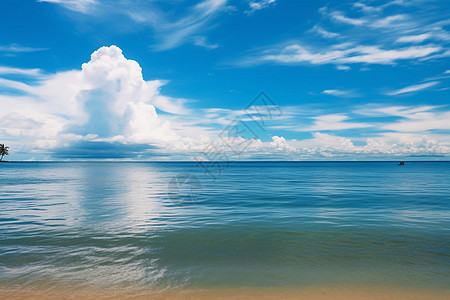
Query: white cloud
[(76, 5), (375, 55), (340, 17), (411, 134), (15, 85), (371, 18), (388, 145), (366, 8), (14, 48), (175, 33), (170, 31), (333, 92), (19, 71), (107, 100), (258, 5), (343, 67), (332, 122), (401, 111), (413, 88), (436, 56), (417, 119), (322, 142), (201, 41), (340, 93), (324, 33), (422, 123), (280, 143), (389, 21), (414, 38), (360, 54), (375, 37)]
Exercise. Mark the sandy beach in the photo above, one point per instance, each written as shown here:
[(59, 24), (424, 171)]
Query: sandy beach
[(317, 293)]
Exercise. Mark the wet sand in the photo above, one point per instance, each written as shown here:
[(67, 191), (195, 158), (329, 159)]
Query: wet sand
[(317, 293)]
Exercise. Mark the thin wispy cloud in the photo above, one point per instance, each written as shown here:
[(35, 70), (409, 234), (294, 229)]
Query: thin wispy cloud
[(20, 71), (415, 119), (17, 85), (341, 93), (202, 41), (76, 5), (172, 32), (296, 53), (366, 8), (324, 33), (414, 38), (259, 5), (390, 22), (421, 122), (370, 17), (343, 67), (340, 17), (175, 33), (14, 48), (369, 36), (413, 88), (334, 122)]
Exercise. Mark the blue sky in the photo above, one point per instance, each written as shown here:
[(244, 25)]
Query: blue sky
[(173, 80)]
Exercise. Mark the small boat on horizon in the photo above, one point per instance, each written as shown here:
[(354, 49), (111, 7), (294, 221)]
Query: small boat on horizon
[(402, 163)]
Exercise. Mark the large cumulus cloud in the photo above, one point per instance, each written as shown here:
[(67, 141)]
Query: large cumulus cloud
[(106, 101)]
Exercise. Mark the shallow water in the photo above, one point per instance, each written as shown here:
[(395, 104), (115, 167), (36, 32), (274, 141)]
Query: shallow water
[(166, 225)]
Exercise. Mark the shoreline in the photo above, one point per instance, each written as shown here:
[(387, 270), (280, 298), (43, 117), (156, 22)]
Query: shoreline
[(228, 161), (315, 292)]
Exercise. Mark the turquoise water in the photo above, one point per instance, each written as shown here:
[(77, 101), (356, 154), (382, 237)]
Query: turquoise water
[(164, 225)]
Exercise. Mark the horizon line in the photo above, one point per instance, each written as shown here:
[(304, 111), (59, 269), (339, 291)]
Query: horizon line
[(211, 161)]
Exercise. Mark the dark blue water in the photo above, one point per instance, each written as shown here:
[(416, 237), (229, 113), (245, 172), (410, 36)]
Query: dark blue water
[(163, 225)]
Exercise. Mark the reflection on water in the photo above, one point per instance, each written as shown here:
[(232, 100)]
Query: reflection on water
[(261, 224)]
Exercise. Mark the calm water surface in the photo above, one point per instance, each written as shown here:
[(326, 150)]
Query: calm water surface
[(130, 226)]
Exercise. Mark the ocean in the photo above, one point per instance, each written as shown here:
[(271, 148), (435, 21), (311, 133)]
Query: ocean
[(174, 225)]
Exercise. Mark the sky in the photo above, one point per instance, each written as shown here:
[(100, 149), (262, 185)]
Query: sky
[(223, 80)]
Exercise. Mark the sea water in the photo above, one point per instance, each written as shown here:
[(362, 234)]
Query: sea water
[(130, 225)]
